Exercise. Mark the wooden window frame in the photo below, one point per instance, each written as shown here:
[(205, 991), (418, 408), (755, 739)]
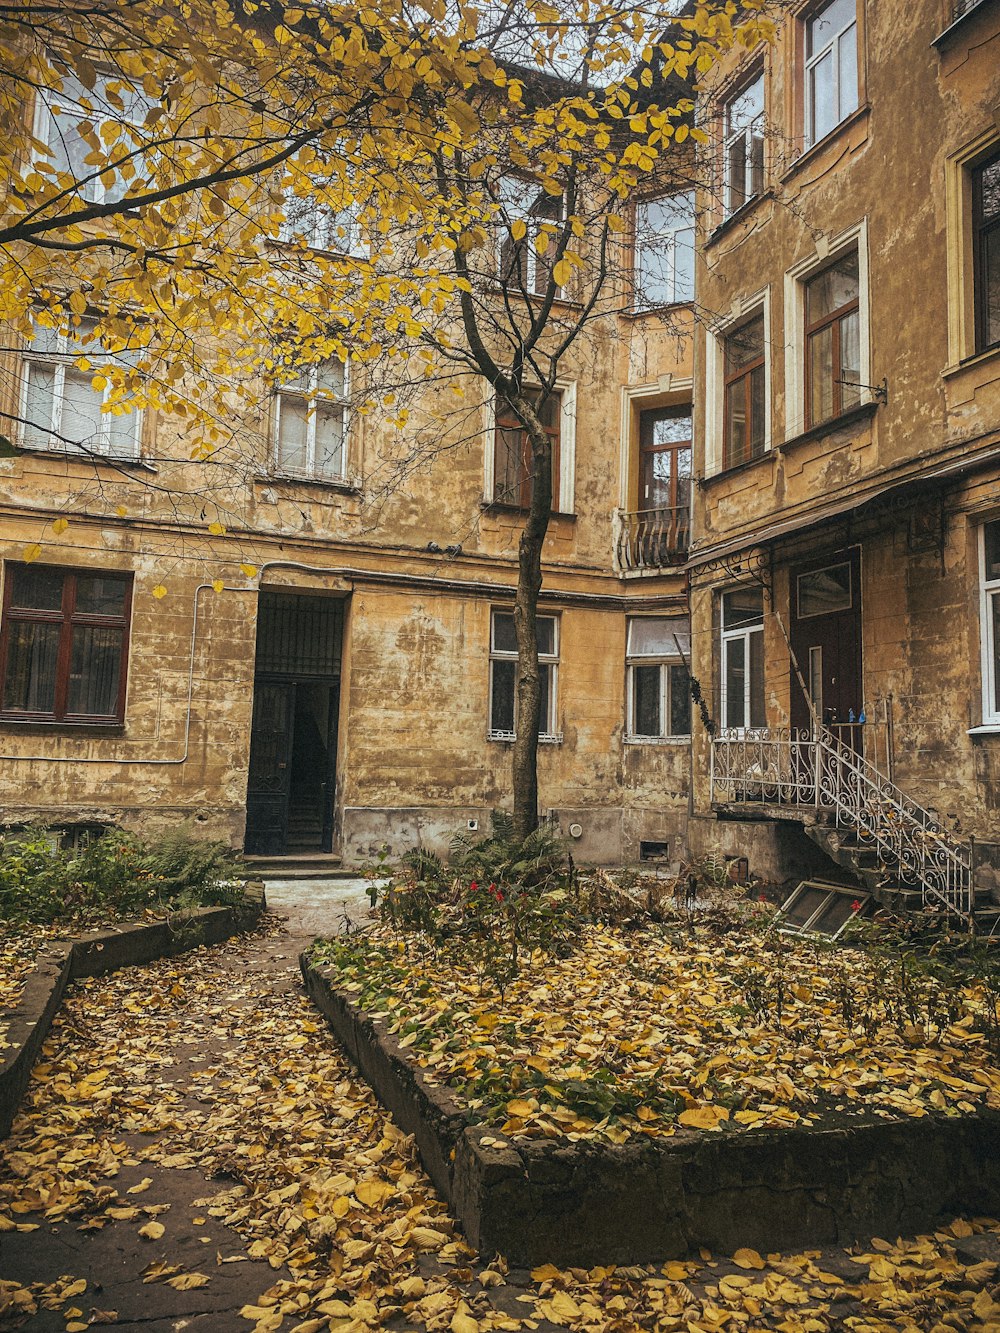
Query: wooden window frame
[(743, 377), (982, 228), (547, 662), (646, 449), (68, 619), (834, 318), (505, 419)]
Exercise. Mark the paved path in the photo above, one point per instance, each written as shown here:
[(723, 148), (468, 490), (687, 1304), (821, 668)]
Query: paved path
[(195, 1146)]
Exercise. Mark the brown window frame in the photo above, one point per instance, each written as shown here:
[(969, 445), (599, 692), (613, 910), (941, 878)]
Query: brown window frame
[(743, 376), (835, 318), (981, 228), (68, 619), (506, 419)]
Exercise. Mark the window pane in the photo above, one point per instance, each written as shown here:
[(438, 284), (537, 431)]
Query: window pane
[(95, 671), (546, 722), (121, 435), (989, 190), (646, 691), (545, 635), (995, 609), (742, 607), (757, 718), (835, 914), (39, 402), (37, 589), (835, 287), (745, 344), (508, 465), (991, 286), (850, 360), (653, 636), (329, 440), (821, 375), (992, 539), (81, 410), (100, 596), (823, 591), (330, 378), (293, 433), (502, 696), (823, 97), (736, 173), (745, 108), (504, 638), (736, 423), (828, 23), (32, 656), (804, 906), (848, 47), (684, 266), (680, 702), (757, 412), (734, 651)]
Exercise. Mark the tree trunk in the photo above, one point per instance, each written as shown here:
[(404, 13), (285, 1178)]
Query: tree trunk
[(528, 692)]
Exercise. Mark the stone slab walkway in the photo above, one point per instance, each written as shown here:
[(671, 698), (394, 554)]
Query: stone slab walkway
[(197, 1154)]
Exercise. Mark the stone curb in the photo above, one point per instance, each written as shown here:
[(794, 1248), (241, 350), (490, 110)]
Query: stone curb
[(93, 955), (582, 1204)]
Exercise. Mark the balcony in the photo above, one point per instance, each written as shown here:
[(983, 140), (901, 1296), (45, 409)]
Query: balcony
[(651, 538)]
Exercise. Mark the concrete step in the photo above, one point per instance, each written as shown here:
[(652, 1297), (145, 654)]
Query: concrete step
[(300, 865)]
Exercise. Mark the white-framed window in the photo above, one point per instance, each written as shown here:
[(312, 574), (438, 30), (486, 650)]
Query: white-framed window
[(310, 423), (61, 409), (664, 250), (816, 908), (831, 91), (503, 676), (310, 220), (989, 576), (525, 264), (60, 118), (658, 691), (742, 658), (503, 445), (743, 146)]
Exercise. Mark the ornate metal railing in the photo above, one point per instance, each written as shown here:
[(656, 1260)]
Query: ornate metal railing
[(789, 767), (651, 538)]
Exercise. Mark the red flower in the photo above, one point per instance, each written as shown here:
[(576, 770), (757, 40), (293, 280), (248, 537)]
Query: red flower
[(499, 896), (493, 888), (856, 905), (762, 898), (473, 887)]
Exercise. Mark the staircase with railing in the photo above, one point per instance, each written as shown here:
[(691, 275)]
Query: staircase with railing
[(855, 809)]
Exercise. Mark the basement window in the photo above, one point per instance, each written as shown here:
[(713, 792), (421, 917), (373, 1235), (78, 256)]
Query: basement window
[(815, 908)]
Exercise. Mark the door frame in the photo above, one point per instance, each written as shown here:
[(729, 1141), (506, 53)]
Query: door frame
[(799, 711)]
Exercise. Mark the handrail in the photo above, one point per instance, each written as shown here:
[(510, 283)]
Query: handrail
[(652, 538), (793, 768)]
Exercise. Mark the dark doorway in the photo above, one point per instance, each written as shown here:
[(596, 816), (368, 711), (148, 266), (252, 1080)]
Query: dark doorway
[(826, 640), (293, 741)]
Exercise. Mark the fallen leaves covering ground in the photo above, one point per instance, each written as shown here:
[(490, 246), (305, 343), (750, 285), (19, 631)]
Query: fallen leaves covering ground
[(18, 951), (642, 1031), (205, 1064)]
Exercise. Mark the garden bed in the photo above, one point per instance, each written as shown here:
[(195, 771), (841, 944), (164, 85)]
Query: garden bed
[(641, 1093)]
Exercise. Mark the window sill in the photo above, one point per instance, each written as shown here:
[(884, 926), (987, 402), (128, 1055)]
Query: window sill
[(498, 507), (137, 464), (860, 413), (34, 726), (987, 729), (730, 223), (970, 362), (665, 308), (815, 150), (508, 738), (341, 487), (670, 741), (736, 468)]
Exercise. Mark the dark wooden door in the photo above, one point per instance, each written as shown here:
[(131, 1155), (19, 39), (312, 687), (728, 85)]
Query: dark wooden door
[(268, 784), (826, 639)]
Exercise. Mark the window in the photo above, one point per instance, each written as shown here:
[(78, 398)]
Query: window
[(64, 645), (744, 393), (513, 466), (311, 421), (60, 407), (743, 658), (743, 146), (831, 68), (986, 252), (520, 265), (62, 119), (664, 250), (990, 581), (503, 672), (815, 908), (310, 220), (833, 341), (658, 692)]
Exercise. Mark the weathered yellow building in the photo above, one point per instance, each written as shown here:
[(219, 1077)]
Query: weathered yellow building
[(844, 575)]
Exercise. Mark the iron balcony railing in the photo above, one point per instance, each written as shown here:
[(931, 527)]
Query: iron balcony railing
[(651, 538), (794, 768)]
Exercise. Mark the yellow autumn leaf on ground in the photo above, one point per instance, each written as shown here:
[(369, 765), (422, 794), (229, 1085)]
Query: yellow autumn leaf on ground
[(372, 1192), (747, 1259), (462, 1321), (152, 1230), (703, 1117), (188, 1281)]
